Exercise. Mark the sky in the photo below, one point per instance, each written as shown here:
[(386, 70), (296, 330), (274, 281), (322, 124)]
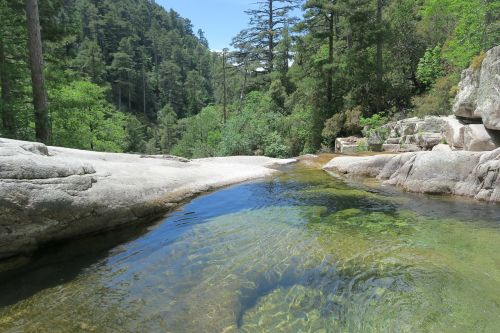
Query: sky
[(221, 20)]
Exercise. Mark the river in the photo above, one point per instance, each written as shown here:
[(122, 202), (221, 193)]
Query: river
[(298, 252)]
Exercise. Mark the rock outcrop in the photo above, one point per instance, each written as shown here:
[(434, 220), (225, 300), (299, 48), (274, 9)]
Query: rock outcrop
[(478, 98), (351, 144), (49, 193), (472, 174)]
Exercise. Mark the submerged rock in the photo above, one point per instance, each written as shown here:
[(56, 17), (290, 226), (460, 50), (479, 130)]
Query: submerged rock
[(472, 174), (49, 193)]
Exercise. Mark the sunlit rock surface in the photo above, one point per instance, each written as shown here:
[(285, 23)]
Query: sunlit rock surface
[(472, 174), (478, 97), (50, 193)]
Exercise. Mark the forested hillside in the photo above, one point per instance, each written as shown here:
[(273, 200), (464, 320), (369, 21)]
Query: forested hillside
[(111, 68), (130, 76)]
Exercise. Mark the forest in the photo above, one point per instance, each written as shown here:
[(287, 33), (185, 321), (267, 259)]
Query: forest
[(130, 76)]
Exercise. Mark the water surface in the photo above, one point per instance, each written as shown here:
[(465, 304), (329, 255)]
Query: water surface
[(300, 252)]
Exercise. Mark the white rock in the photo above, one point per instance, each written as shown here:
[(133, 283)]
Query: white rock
[(477, 138), (473, 174), (49, 194), (453, 132), (478, 96), (442, 147)]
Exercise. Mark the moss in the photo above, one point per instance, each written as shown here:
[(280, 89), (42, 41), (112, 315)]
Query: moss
[(376, 222), (477, 61)]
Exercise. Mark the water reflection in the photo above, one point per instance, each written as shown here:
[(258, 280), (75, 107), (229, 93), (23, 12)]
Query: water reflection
[(299, 252)]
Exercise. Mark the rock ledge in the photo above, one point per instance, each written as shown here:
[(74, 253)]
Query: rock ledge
[(49, 193)]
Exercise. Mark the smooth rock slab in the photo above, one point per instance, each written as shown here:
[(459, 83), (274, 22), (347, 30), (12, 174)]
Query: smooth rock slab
[(477, 138), (472, 174), (49, 193)]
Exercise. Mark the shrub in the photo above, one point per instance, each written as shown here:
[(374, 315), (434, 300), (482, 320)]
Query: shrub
[(332, 129), (83, 119), (438, 101), (477, 61), (274, 146), (430, 67)]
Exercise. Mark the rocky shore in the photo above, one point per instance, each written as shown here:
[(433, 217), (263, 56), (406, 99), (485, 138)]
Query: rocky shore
[(49, 194), (465, 173), (457, 154)]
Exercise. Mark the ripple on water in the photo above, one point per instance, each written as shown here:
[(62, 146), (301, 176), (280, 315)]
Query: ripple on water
[(301, 252)]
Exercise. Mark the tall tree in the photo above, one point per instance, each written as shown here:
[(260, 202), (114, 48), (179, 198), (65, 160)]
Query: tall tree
[(320, 19), (380, 60), (40, 102), (267, 22)]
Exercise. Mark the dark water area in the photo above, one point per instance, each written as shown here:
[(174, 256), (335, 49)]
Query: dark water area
[(299, 252)]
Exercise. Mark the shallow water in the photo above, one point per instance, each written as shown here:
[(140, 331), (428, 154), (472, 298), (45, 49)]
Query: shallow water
[(301, 252)]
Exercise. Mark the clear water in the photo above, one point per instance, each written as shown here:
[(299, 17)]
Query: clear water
[(302, 252)]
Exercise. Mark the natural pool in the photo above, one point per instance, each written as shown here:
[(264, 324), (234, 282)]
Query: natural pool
[(299, 252)]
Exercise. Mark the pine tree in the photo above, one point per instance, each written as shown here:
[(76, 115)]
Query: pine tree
[(40, 103)]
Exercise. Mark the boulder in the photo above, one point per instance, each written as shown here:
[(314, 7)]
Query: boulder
[(465, 105), (49, 193), (391, 148), (477, 138), (435, 172), (453, 132), (442, 147), (412, 134), (488, 93), (349, 145), (483, 183), (472, 174), (428, 140), (400, 148), (369, 166), (478, 97), (430, 124)]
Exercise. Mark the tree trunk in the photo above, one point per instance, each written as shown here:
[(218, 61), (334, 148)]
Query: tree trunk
[(224, 86), (271, 36), (243, 88), (329, 88), (379, 60), (8, 118), (144, 90), (119, 97), (40, 103)]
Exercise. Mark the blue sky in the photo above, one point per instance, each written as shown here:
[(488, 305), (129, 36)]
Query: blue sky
[(220, 19)]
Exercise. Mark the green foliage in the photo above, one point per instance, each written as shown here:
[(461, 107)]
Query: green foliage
[(246, 132), (199, 133), (463, 27), (167, 129), (342, 61), (374, 130), (438, 101), (82, 118), (274, 146), (333, 127), (375, 121), (430, 67)]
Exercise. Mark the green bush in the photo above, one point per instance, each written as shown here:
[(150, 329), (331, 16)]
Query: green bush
[(83, 119), (332, 129), (438, 101), (430, 67), (374, 130), (197, 134), (274, 146)]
